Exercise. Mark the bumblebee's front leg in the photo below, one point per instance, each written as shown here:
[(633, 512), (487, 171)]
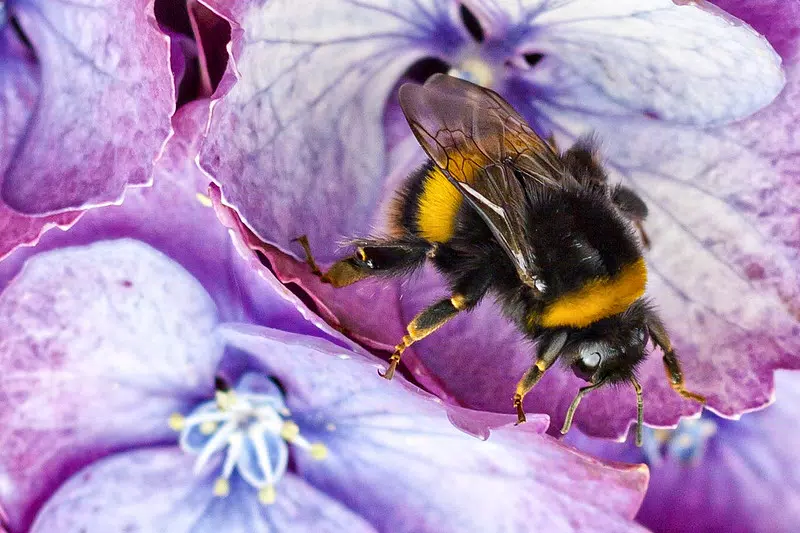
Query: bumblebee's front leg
[(671, 363), (372, 257), (549, 350)]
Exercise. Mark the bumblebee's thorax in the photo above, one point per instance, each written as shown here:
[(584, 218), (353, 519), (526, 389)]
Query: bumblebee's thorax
[(590, 259)]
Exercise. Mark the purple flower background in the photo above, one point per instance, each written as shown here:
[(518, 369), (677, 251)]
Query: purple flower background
[(724, 221), (156, 284)]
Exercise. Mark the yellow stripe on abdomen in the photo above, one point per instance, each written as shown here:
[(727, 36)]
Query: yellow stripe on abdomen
[(599, 298), (438, 206)]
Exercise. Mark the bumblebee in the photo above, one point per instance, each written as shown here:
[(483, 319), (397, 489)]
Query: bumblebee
[(499, 210)]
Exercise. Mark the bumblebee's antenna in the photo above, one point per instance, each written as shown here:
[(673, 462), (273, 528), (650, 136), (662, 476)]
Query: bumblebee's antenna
[(639, 410), (578, 397)]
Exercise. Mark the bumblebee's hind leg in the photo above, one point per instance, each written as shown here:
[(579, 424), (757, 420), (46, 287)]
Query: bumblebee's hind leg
[(634, 209), (373, 257)]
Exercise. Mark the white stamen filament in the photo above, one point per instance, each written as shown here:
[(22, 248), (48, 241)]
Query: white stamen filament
[(235, 422)]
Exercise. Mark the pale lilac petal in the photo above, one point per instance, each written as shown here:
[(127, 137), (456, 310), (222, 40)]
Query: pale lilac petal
[(677, 61), (297, 142), (100, 344), (377, 431), (154, 490), (19, 91), (103, 112), (753, 462), (743, 477)]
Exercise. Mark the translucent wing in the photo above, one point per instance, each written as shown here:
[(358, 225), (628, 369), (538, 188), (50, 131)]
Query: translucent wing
[(481, 143)]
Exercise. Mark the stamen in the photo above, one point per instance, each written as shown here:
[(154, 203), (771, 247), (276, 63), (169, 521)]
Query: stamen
[(319, 451), (221, 487), (289, 431), (685, 444), (208, 427), (176, 421), (266, 495), (252, 431)]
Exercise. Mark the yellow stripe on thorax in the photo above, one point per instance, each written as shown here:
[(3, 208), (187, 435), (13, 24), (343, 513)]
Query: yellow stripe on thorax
[(437, 208), (599, 298)]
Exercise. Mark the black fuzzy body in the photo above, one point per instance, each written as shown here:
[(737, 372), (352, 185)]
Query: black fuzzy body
[(577, 231)]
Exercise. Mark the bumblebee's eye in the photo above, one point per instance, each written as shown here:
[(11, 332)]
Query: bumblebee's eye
[(591, 360)]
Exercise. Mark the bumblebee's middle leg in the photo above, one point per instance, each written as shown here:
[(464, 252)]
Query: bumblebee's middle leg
[(372, 257)]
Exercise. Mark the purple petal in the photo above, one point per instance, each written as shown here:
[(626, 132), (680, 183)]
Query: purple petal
[(744, 477), (377, 431), (297, 142), (19, 91), (154, 490), (103, 113), (100, 345), (681, 62)]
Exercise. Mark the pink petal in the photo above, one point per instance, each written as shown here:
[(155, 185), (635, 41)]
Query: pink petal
[(103, 112), (19, 91)]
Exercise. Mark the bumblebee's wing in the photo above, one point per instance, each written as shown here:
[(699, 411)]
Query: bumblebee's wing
[(479, 140), (519, 144)]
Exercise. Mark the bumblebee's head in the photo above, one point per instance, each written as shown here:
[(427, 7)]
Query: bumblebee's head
[(609, 350)]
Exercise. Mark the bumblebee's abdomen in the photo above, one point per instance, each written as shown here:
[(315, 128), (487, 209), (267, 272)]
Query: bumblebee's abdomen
[(597, 299), (429, 205)]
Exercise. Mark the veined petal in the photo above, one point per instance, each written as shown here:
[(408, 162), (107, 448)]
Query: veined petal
[(297, 142), (725, 261), (376, 431), (154, 490), (723, 269), (19, 92), (100, 344), (103, 112), (684, 62)]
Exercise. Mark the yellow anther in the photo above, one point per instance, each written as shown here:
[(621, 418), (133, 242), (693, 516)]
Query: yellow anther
[(204, 200), (685, 441), (318, 451), (266, 495), (289, 431), (221, 487), (225, 399), (176, 421), (208, 427)]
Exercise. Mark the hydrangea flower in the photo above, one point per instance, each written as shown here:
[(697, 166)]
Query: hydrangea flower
[(717, 475), (141, 391), (662, 83)]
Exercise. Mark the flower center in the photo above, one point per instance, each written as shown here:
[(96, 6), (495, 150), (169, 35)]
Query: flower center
[(250, 431), (686, 443), (475, 70)]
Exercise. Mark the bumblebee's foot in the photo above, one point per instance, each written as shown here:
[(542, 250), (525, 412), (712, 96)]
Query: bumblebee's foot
[(690, 395), (520, 413), (393, 362), (303, 240), (645, 238)]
